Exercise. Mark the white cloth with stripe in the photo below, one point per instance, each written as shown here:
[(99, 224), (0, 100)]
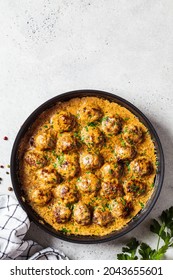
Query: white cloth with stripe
[(14, 224)]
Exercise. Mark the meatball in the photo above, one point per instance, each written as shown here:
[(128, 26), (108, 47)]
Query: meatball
[(110, 171), (124, 153), (141, 166), (111, 189), (41, 196), (90, 161), (88, 183), (132, 134), (102, 216), (111, 124), (135, 187), (44, 141), (121, 207), (91, 136), (48, 175), (35, 158), (66, 192), (82, 214), (63, 121), (66, 142), (89, 114), (67, 165), (62, 213)]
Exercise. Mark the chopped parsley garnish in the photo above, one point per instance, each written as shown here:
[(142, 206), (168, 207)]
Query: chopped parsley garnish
[(92, 124), (76, 134), (141, 204), (54, 153), (79, 179), (123, 143), (105, 119), (126, 119), (128, 165), (65, 230), (60, 159), (123, 201)]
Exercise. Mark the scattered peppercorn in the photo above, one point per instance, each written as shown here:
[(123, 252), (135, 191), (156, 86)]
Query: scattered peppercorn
[(7, 172), (0, 179), (8, 166), (5, 138), (1, 166), (10, 189)]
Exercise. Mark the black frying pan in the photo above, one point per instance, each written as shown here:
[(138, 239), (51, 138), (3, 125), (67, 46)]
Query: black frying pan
[(15, 167)]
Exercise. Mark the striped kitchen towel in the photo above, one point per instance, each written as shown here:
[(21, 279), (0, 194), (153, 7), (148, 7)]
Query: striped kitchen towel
[(14, 224)]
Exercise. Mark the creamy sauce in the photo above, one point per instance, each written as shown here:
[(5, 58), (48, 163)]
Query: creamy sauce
[(105, 146)]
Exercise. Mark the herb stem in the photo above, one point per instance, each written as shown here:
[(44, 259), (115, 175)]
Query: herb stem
[(160, 232)]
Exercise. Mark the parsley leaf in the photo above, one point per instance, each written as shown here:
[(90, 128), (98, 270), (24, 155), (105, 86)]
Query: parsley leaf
[(130, 248), (163, 228)]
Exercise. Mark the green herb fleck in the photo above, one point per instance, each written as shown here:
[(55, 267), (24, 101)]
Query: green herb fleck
[(65, 230), (60, 159), (126, 119), (141, 204), (92, 124), (123, 201)]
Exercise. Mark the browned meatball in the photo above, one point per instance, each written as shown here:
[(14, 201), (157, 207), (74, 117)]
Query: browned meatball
[(135, 187), (88, 183), (63, 121), (132, 134), (121, 207), (89, 114), (66, 142), (102, 216), (110, 171), (89, 161), (62, 213), (67, 165), (41, 195), (91, 136), (66, 192), (48, 175), (44, 141), (141, 166), (111, 124), (111, 189), (124, 153), (35, 158), (82, 214)]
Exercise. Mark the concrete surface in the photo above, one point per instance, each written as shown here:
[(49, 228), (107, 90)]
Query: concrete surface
[(124, 47)]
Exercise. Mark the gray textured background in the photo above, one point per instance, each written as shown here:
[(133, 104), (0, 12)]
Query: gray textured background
[(124, 47)]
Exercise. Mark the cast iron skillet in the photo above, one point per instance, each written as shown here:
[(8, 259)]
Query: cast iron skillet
[(15, 167)]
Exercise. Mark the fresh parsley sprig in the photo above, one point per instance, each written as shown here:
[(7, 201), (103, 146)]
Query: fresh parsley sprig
[(163, 228)]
